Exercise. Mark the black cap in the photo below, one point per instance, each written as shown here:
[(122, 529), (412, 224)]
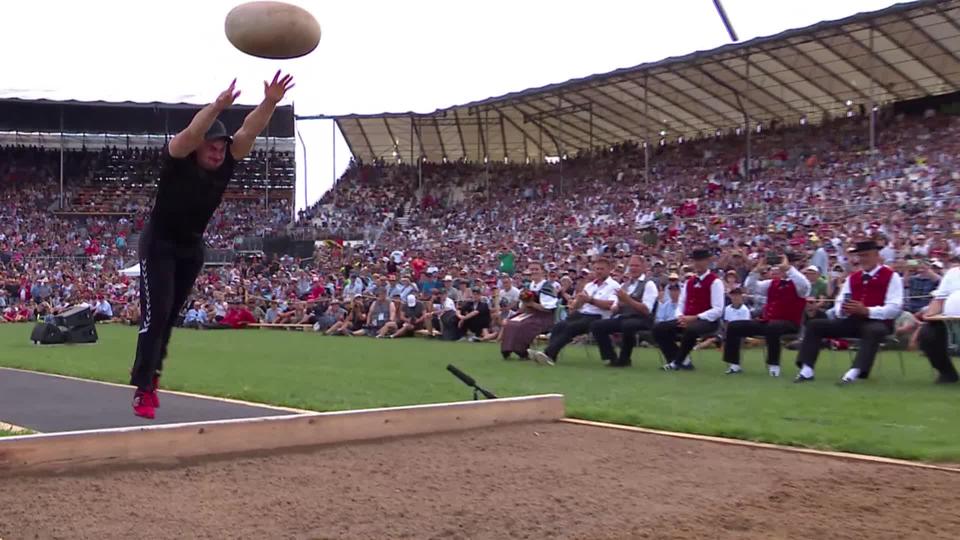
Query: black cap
[(217, 131), (701, 254), (866, 245)]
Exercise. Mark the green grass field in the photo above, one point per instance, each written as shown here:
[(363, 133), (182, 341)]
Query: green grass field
[(891, 415)]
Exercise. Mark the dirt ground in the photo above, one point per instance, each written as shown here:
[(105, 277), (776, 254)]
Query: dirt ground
[(527, 481)]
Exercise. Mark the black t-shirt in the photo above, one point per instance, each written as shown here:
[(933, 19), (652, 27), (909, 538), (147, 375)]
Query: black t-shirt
[(413, 313), (188, 195)]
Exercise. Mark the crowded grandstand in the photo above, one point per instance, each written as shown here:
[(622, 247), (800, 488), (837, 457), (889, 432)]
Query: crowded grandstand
[(443, 246)]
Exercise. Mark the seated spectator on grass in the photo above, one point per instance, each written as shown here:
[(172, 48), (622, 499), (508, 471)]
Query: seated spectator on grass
[(381, 312), (238, 316), (474, 315), (413, 318), (330, 316), (355, 320), (195, 317), (444, 320), (102, 310), (131, 314)]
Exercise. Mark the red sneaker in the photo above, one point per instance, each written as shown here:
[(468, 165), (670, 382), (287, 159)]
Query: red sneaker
[(143, 405), (154, 397)]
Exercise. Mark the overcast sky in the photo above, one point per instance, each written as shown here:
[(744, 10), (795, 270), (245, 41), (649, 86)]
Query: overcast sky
[(374, 56)]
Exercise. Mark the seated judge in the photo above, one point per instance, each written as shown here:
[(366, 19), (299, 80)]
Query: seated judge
[(699, 309), (932, 336), (632, 311), (785, 297), (591, 304), (869, 302)]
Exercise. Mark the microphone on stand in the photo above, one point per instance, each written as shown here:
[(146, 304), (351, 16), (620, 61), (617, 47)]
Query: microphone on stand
[(470, 381)]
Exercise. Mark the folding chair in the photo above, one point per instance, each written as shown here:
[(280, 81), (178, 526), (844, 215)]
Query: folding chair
[(890, 343)]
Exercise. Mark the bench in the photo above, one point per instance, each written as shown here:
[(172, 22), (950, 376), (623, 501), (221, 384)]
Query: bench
[(303, 327)]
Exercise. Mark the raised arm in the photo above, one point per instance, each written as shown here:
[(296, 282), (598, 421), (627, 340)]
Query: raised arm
[(188, 140), (257, 120)]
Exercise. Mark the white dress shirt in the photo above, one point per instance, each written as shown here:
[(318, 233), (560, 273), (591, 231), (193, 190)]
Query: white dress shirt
[(949, 292), (716, 300), (892, 303), (800, 281), (650, 293), (731, 313), (606, 291), (545, 300)]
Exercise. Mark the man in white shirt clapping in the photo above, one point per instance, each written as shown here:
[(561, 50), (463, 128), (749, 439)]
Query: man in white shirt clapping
[(591, 304)]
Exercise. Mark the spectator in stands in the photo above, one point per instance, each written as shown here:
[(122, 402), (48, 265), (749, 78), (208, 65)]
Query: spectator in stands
[(920, 280), (508, 292)]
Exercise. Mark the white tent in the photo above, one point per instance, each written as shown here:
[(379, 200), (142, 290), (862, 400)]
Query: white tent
[(133, 271)]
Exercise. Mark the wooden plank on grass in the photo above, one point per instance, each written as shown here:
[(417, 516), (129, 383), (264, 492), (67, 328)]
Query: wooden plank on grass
[(173, 442)]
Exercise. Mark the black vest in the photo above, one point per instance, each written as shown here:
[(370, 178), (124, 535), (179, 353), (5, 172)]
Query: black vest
[(629, 311)]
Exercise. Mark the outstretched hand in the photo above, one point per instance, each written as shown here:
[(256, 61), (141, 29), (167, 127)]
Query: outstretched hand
[(228, 96), (276, 89)]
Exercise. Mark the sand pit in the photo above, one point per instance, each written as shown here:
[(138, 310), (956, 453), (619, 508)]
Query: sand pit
[(543, 480)]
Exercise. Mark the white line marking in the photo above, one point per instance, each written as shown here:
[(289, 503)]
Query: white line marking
[(876, 460)]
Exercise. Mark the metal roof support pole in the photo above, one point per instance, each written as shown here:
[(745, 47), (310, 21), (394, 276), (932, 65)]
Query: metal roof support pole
[(563, 150), (873, 114), (266, 174), (646, 140), (333, 165), (540, 144), (61, 157), (486, 156), (591, 128), (411, 139), (746, 121), (304, 146)]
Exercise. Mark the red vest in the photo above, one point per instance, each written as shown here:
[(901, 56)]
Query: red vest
[(698, 298), (783, 302), (874, 292)]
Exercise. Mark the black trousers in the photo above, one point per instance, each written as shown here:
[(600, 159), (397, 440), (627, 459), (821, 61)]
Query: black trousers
[(771, 330), (564, 331), (933, 342), (870, 332), (627, 327), (667, 333), (168, 270)]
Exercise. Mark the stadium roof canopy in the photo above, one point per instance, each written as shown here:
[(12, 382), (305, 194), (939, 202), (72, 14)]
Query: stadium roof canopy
[(903, 52), (127, 117)]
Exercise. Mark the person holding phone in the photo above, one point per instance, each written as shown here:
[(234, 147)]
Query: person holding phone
[(869, 302), (786, 298), (699, 309)]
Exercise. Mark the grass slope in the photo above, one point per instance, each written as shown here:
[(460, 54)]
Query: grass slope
[(892, 414)]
